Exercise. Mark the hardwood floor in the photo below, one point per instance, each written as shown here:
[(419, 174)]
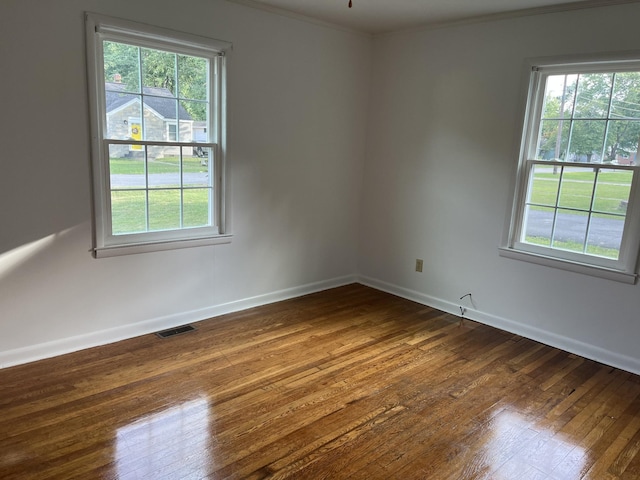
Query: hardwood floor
[(347, 383)]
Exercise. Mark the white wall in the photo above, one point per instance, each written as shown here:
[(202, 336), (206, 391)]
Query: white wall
[(443, 134), (298, 97)]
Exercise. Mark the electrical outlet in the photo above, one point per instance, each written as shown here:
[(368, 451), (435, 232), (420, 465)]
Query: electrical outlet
[(418, 265)]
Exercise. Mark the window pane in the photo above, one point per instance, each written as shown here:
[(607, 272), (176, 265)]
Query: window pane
[(570, 230), (186, 131), (605, 236), (587, 141), (193, 110), (192, 77), (126, 166), (196, 207), (594, 93), (553, 139), (612, 191), (164, 209), (538, 225), (559, 95), (128, 212), (121, 67), (159, 70), (123, 116), (576, 188), (172, 132), (159, 112), (626, 95), (622, 142), (195, 167), (164, 167), (544, 185), (193, 116), (200, 132)]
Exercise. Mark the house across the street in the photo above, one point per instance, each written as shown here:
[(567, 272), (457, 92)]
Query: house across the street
[(162, 115)]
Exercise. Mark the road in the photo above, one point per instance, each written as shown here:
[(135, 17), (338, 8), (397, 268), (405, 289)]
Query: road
[(160, 180), (604, 232)]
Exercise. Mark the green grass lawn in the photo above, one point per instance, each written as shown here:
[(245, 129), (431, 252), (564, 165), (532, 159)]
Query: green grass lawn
[(135, 166), (575, 247), (612, 190), (165, 208), (129, 210), (574, 191)]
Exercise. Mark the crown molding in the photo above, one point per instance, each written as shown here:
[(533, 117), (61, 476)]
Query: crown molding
[(298, 16), (563, 7), (527, 12)]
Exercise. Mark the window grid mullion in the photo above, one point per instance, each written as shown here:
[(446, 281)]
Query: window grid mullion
[(561, 120), (180, 164), (555, 208), (143, 122), (608, 119), (177, 95), (575, 164), (572, 117), (590, 213), (146, 190)]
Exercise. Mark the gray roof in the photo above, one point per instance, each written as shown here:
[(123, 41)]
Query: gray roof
[(159, 99)]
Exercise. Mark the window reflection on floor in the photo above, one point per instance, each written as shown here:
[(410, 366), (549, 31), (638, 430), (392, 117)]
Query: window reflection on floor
[(518, 447), (173, 443)]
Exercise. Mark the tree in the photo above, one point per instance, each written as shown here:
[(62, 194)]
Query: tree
[(604, 119), (159, 69), (554, 131), (624, 134), (590, 110)]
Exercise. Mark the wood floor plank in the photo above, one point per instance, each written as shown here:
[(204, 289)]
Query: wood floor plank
[(347, 383)]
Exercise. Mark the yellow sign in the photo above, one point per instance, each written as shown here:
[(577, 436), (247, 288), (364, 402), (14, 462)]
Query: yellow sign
[(135, 132)]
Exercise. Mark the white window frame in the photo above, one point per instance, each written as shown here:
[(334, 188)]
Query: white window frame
[(624, 269), (100, 28)]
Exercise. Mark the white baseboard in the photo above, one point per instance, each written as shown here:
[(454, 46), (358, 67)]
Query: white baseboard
[(624, 362), (73, 344)]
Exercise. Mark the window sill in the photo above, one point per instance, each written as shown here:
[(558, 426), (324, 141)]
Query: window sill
[(593, 270), (104, 252)]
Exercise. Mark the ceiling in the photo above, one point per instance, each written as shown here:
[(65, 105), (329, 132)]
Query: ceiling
[(382, 16)]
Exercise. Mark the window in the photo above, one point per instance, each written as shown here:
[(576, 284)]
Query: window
[(154, 95), (172, 134), (576, 202)]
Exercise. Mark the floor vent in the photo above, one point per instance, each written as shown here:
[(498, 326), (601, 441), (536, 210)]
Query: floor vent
[(175, 331)]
